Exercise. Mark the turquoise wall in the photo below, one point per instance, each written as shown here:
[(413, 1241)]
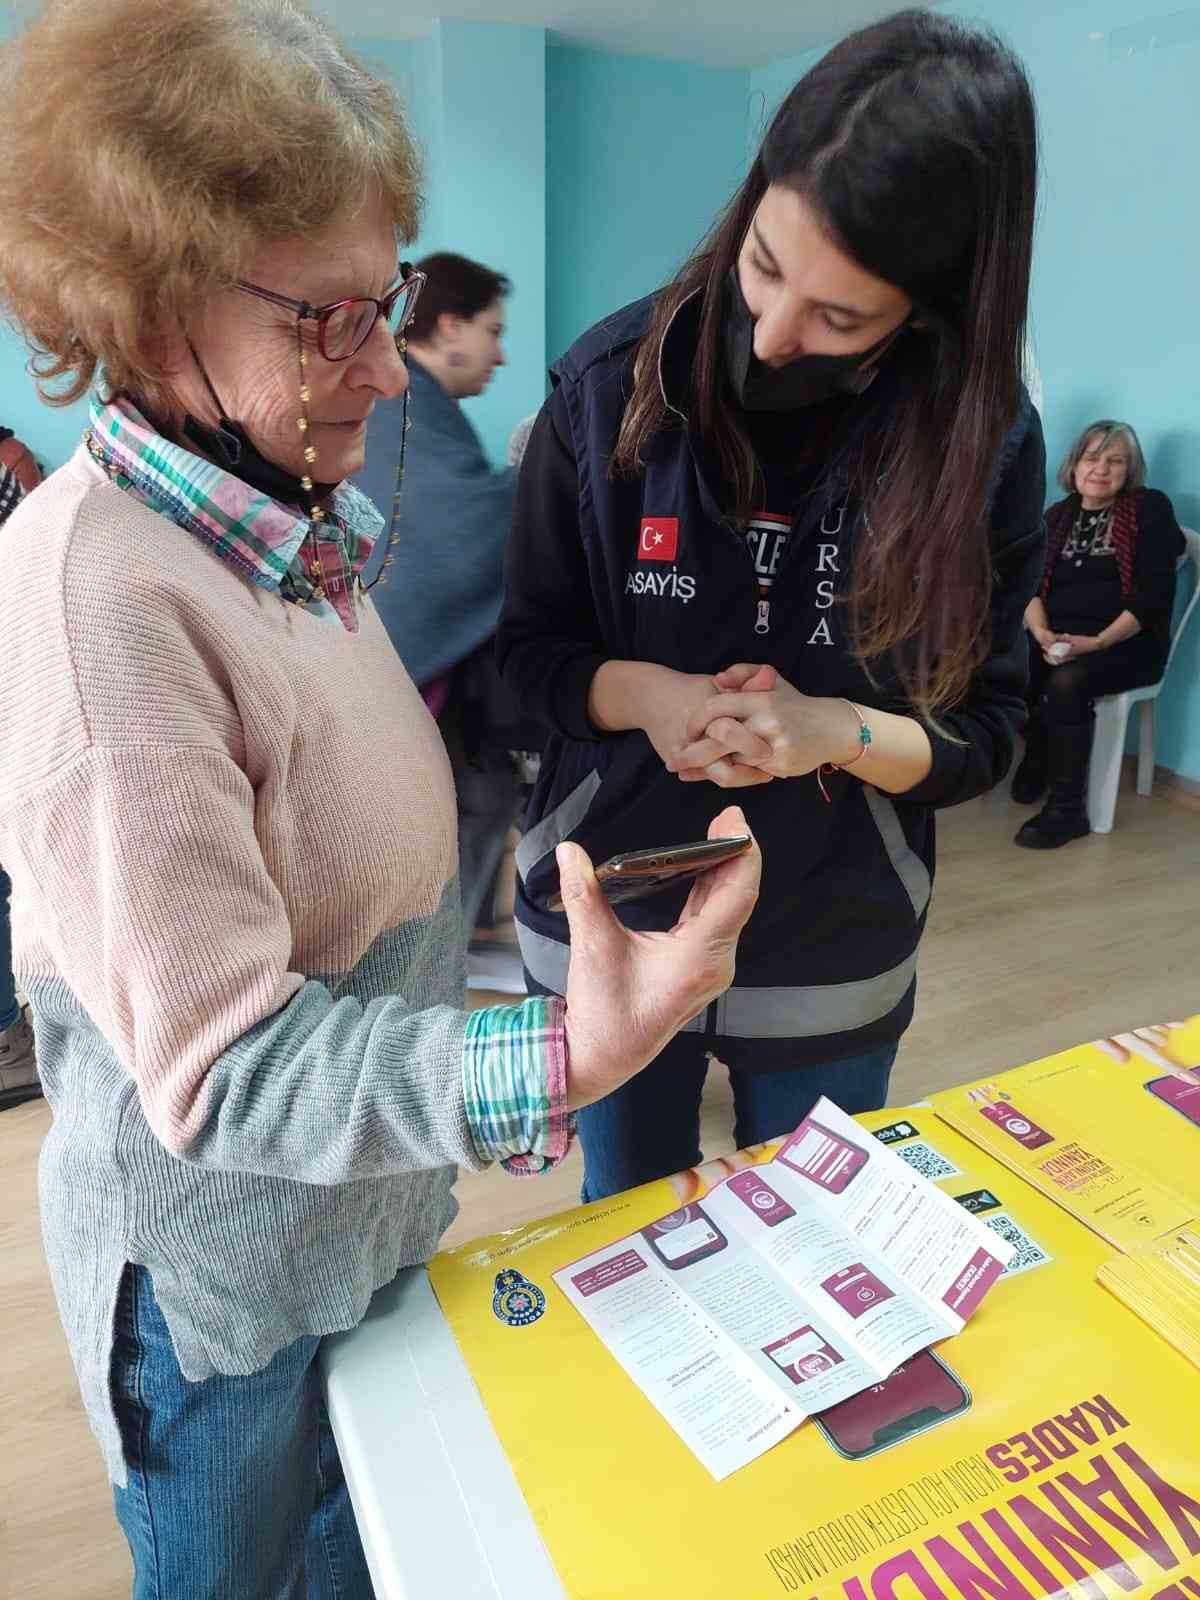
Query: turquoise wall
[(476, 98), (51, 433), (488, 193), (768, 85), (585, 177), (640, 156), (409, 64), (1114, 292)]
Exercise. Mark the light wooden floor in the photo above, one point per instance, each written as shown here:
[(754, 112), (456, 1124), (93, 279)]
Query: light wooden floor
[(1025, 954)]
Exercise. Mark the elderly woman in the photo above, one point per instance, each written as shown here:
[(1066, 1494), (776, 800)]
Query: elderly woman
[(1100, 622), (226, 813)]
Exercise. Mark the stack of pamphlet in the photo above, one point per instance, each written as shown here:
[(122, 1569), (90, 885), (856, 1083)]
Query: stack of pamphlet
[(1162, 1286)]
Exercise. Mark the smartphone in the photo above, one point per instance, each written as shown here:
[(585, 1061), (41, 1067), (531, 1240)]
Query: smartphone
[(637, 873), (919, 1395), (684, 1237), (1180, 1095)]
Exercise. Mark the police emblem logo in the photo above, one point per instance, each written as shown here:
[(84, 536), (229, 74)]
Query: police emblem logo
[(517, 1302)]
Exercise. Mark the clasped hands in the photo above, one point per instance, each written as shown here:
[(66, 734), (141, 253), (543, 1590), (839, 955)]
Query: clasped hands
[(1081, 644), (746, 726)]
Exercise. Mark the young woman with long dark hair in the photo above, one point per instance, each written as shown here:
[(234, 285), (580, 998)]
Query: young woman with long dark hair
[(776, 530)]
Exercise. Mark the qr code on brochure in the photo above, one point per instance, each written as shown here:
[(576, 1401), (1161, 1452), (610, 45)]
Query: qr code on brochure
[(923, 1158), (1028, 1253)]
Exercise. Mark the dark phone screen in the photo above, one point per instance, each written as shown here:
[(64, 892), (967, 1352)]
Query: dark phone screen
[(920, 1393)]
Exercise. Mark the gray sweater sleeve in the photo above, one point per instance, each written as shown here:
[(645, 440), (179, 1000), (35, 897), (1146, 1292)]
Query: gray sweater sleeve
[(241, 1062)]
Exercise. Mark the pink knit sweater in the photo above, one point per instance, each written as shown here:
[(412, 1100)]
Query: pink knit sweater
[(173, 778), (230, 828)]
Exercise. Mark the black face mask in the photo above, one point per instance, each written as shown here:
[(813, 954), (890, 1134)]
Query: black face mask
[(807, 381), (230, 446)]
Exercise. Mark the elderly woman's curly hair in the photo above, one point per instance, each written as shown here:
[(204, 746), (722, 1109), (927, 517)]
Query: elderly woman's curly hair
[(150, 147)]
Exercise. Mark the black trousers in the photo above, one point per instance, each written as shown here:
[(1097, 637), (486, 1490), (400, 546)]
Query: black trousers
[(1058, 696)]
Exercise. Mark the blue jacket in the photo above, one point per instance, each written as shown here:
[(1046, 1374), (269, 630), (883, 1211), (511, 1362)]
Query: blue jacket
[(827, 964), (440, 600)]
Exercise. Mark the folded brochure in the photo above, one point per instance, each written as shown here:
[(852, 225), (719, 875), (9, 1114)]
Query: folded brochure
[(1113, 1141), (792, 1287)]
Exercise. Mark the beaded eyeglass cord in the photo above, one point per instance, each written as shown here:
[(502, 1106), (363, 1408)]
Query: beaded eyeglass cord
[(316, 512), (404, 295)]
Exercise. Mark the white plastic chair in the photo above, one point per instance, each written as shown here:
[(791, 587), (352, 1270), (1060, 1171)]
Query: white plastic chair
[(1112, 719)]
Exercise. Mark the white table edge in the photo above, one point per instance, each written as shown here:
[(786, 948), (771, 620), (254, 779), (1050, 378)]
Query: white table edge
[(431, 1486)]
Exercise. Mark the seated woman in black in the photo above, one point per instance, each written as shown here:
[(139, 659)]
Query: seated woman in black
[(1101, 622)]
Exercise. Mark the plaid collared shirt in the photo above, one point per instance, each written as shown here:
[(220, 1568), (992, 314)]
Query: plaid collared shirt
[(10, 492), (272, 545), (508, 1049)]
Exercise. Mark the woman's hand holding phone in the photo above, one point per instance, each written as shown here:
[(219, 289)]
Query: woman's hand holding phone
[(629, 993)]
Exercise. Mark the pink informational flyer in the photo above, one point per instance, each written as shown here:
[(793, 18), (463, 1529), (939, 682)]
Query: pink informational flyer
[(790, 1288)]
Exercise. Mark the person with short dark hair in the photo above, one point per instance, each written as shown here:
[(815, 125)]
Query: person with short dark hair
[(470, 298), (1100, 622), (440, 599)]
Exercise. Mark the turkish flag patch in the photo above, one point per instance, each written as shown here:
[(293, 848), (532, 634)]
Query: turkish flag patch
[(659, 539)]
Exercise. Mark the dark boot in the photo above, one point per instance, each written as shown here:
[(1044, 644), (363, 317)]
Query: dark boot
[(1064, 816), (1029, 780)]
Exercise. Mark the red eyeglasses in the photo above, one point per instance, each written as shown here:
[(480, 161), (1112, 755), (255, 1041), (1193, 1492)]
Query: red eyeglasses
[(344, 326)]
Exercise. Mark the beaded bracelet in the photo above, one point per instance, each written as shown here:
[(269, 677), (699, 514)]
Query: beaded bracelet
[(864, 744)]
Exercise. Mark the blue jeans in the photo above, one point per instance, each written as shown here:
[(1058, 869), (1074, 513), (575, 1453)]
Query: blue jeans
[(650, 1127), (10, 1010), (235, 1487)]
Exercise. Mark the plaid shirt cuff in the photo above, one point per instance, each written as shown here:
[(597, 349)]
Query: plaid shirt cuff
[(515, 1085)]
